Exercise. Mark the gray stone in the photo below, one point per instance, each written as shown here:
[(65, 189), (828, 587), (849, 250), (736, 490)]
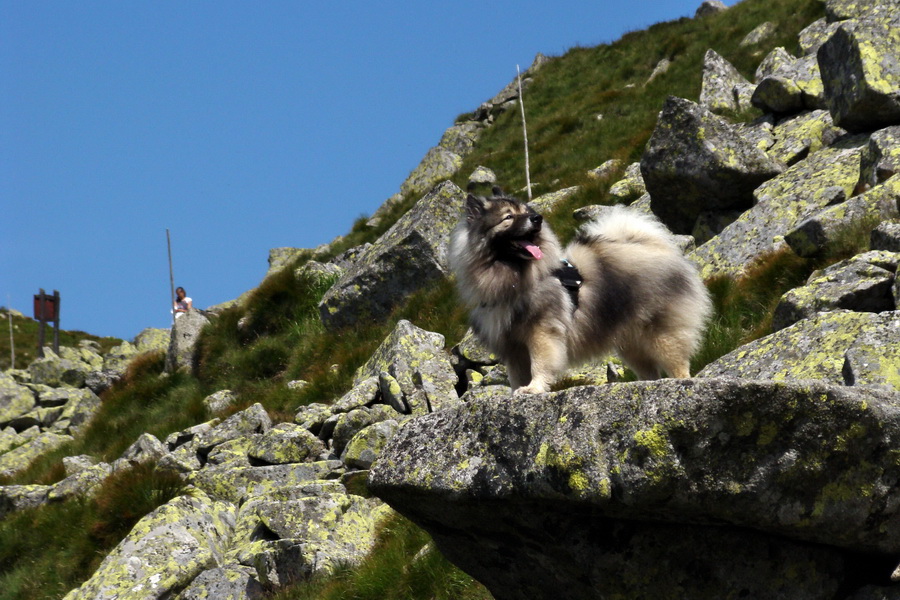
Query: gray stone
[(363, 393), (880, 157), (717, 92), (15, 400), (799, 136), (17, 460), (860, 66), (461, 138), (55, 371), (76, 464), (220, 401), (809, 349), (178, 438), (82, 484), (239, 484), (185, 331), (362, 450), (318, 273), (482, 176), (886, 237), (791, 87), (146, 449), (775, 60), (661, 67), (826, 177), (815, 234), (283, 444), (697, 161), (231, 582), (874, 356), (412, 253), (79, 412), (164, 552), (20, 497), (562, 495), (252, 420), (438, 165), (312, 416), (280, 258), (546, 203), (631, 187), (417, 360), (116, 360), (855, 284), (710, 7), (816, 34), (606, 170), (760, 33), (153, 340), (840, 10)]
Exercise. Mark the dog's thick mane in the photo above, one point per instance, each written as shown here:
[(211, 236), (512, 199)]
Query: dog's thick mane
[(623, 225)]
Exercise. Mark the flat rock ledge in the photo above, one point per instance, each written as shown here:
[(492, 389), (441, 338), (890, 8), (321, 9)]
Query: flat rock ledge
[(700, 488)]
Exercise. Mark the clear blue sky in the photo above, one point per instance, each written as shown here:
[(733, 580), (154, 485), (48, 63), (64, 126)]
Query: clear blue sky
[(239, 126)]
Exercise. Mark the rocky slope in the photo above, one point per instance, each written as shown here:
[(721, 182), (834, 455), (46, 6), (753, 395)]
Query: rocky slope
[(773, 474)]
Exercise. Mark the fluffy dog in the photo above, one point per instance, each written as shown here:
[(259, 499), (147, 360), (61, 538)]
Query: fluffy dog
[(630, 289)]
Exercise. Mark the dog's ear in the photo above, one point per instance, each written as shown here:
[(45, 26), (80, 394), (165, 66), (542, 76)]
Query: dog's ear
[(475, 207), (497, 190)]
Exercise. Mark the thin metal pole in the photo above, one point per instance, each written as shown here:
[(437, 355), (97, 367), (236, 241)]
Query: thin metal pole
[(12, 340), (171, 277), (524, 133)]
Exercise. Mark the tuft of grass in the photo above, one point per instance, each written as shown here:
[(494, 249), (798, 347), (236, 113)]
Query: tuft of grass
[(405, 565)]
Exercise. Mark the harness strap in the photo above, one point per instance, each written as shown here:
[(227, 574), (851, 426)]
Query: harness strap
[(570, 278)]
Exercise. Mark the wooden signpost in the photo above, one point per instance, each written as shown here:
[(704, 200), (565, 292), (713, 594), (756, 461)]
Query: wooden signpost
[(46, 308)]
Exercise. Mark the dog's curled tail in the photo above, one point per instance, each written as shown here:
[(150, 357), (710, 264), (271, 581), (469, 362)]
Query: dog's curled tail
[(627, 225)]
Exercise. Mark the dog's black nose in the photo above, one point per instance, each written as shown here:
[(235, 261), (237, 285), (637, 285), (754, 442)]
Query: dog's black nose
[(537, 219)]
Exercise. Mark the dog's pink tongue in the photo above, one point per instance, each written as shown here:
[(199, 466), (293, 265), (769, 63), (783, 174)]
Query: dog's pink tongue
[(533, 250)]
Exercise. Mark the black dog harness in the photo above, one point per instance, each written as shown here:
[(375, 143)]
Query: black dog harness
[(570, 278)]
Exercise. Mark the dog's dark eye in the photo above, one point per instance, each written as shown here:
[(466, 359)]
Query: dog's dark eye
[(507, 217)]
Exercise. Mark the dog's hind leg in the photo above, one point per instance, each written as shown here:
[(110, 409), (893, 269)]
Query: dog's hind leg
[(644, 366), (547, 350)]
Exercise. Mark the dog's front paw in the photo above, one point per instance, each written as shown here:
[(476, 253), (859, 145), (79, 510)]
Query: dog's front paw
[(532, 388)]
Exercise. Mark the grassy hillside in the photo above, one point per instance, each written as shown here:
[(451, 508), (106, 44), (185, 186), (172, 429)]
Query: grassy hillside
[(281, 339)]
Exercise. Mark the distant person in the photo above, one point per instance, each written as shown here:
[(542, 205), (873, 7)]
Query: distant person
[(182, 302)]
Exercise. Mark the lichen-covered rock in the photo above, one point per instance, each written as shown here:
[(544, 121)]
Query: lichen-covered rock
[(285, 443), (857, 284), (781, 205), (116, 360), (697, 161), (631, 187), (351, 423), (797, 137), (791, 87), (20, 458), (606, 170), (152, 339), (816, 34), (412, 253), (881, 157), (20, 497), (841, 10), (719, 80), (230, 582), (317, 530), (776, 59), (220, 401), (312, 416), (548, 202), (82, 354), (239, 484), (185, 332), (251, 420), (461, 137), (362, 450), (78, 412), (710, 7), (809, 349), (438, 165), (760, 33), (146, 449), (482, 176), (55, 371), (860, 67), (874, 356), (280, 258), (77, 464), (815, 234), (886, 237), (164, 552), (83, 483), (362, 394), (561, 492), (417, 360), (15, 400)]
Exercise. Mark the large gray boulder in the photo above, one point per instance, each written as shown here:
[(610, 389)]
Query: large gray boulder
[(185, 332), (863, 283), (417, 361), (164, 552), (643, 490), (720, 89), (798, 136), (230, 582), (810, 349), (15, 400), (781, 204), (860, 67), (881, 157), (412, 253), (696, 161), (438, 165), (816, 34), (17, 460), (792, 86)]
